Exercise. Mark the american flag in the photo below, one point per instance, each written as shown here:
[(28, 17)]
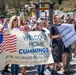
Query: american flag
[(9, 43)]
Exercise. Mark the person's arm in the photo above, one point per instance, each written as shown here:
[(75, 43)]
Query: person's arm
[(56, 36), (52, 36), (1, 29)]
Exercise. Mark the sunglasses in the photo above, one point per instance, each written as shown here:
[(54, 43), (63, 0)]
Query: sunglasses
[(15, 20)]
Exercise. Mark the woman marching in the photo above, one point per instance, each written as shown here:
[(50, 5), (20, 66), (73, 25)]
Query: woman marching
[(13, 25)]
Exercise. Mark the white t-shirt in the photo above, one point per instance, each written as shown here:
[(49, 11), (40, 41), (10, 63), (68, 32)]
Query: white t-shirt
[(0, 25)]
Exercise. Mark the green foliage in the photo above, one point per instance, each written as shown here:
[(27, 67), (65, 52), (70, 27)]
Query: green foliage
[(2, 7), (56, 1), (13, 5)]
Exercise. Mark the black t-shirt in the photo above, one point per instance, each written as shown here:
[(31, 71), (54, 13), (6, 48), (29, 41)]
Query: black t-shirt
[(54, 31)]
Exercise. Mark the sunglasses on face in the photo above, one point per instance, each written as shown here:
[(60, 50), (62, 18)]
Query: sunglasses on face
[(15, 20)]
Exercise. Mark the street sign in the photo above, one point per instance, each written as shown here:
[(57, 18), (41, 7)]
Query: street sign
[(44, 8)]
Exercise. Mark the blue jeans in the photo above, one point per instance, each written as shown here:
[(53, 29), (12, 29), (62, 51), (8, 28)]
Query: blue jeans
[(14, 69), (40, 69)]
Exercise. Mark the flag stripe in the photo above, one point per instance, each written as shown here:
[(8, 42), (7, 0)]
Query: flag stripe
[(9, 43), (2, 50), (2, 47)]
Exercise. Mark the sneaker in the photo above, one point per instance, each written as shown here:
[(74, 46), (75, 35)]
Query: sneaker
[(54, 73), (67, 72), (42, 74), (2, 72), (5, 71)]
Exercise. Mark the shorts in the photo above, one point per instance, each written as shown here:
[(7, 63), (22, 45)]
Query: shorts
[(66, 50), (57, 54)]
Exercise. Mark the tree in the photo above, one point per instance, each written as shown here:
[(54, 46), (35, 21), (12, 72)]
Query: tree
[(60, 1), (16, 5), (2, 7), (13, 5)]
